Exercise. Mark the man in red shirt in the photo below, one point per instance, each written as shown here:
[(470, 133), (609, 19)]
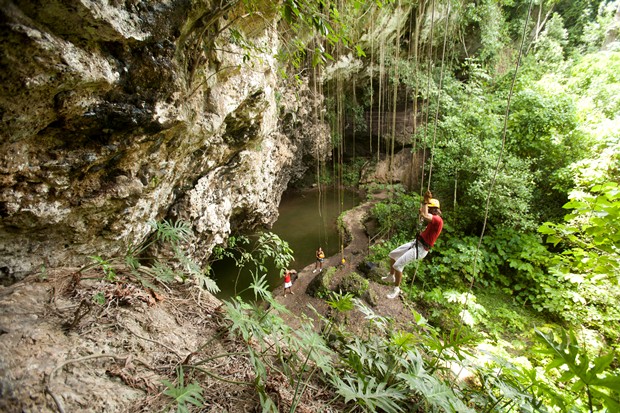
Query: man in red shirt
[(418, 248)]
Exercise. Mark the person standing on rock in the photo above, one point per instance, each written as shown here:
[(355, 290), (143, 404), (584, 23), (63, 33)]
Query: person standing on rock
[(288, 283), (418, 248), (320, 257)]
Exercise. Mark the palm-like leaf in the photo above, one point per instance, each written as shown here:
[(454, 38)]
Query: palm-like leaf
[(403, 341), (207, 283), (341, 303), (261, 288), (237, 314), (365, 359), (370, 395), (579, 370), (369, 314), (309, 342), (163, 272), (166, 231), (182, 394), (434, 392)]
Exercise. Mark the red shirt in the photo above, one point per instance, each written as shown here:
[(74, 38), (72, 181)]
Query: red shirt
[(287, 277), (432, 230)]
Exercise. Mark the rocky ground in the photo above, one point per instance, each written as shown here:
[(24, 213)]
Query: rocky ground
[(70, 342)]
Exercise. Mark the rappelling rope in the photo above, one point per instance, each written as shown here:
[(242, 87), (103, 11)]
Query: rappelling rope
[(428, 92), (441, 74)]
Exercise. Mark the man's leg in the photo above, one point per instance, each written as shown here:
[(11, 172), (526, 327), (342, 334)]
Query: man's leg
[(412, 255), (398, 277)]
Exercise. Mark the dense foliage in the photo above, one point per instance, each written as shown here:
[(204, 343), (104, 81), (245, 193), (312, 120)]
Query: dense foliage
[(521, 115), (511, 159)]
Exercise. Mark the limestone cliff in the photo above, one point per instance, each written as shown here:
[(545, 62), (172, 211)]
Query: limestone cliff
[(117, 113)]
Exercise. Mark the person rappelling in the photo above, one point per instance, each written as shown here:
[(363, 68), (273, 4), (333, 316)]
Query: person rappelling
[(418, 248)]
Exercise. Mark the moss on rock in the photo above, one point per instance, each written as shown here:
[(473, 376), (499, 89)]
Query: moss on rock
[(372, 270), (319, 286), (353, 283), (371, 298)]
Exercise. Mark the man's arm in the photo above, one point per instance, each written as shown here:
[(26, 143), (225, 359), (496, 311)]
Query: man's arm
[(424, 208), (424, 212)]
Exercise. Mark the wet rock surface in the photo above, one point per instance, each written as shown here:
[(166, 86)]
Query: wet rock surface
[(118, 113)]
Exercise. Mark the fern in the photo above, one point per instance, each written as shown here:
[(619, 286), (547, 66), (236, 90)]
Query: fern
[(168, 232), (593, 377), (321, 356), (364, 359), (341, 303), (375, 319), (236, 313), (449, 346), (402, 340), (192, 393), (204, 281), (370, 395), (192, 268), (163, 272), (261, 288), (438, 395), (434, 392)]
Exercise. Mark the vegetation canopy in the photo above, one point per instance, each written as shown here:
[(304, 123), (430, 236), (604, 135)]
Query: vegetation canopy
[(509, 111)]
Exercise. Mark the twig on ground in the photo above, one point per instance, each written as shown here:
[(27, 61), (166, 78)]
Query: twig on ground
[(154, 341), (56, 400), (48, 390)]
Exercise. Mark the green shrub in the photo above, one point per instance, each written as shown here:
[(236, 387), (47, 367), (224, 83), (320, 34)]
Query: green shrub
[(398, 214)]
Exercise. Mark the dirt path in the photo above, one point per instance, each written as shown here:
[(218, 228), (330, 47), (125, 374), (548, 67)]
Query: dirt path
[(299, 303)]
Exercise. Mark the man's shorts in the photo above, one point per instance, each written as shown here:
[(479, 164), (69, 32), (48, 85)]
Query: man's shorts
[(406, 253)]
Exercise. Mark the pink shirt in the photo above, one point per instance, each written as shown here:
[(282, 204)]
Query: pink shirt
[(432, 230)]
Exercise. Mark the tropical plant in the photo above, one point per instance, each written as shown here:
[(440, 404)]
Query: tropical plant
[(589, 260), (590, 383), (184, 394), (253, 254), (387, 372), (398, 214), (177, 265)]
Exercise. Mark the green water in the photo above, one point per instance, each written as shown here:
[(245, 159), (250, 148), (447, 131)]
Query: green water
[(307, 220)]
